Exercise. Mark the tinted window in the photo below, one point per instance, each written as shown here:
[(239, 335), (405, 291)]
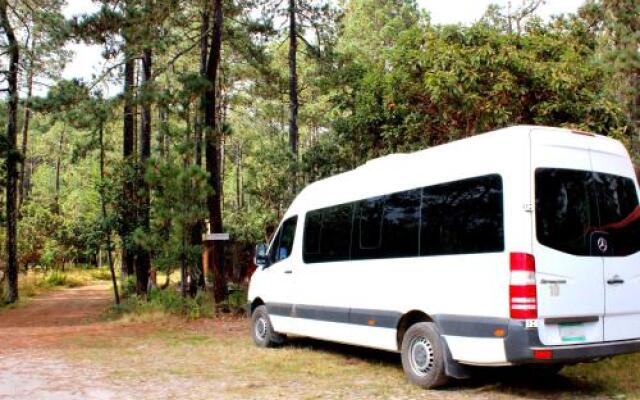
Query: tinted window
[(463, 217), (333, 236), (565, 209), (572, 206), (619, 213), (283, 241), (312, 228), (401, 226), (370, 223), (367, 229)]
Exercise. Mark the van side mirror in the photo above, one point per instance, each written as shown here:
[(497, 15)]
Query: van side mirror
[(260, 259)]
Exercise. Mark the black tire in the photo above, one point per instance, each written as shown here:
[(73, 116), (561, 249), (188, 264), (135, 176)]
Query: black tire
[(423, 356), (262, 330)]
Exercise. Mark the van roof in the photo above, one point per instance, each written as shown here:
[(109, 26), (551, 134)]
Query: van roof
[(478, 149)]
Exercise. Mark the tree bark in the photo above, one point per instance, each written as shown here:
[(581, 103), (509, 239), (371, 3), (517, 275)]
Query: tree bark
[(127, 155), (197, 228), (25, 132), (12, 154), (116, 295), (212, 151), (293, 80), (58, 170), (144, 258)]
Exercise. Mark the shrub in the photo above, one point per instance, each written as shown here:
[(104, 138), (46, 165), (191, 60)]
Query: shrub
[(55, 278), (170, 302)]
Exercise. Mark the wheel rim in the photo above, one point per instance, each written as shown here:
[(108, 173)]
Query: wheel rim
[(421, 355), (261, 328)]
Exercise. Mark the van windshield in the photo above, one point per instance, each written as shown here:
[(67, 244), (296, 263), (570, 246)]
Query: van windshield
[(575, 207)]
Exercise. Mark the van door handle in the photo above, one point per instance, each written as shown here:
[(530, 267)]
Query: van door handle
[(615, 281), (288, 271)]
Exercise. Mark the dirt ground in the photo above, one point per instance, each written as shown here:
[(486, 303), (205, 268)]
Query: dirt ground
[(60, 346)]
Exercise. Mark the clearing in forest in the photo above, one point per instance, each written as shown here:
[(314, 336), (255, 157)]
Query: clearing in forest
[(60, 346)]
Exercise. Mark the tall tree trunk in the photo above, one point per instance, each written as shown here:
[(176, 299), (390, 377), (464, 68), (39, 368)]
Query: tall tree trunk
[(116, 295), (212, 151), (144, 258), (127, 155), (59, 169), (12, 154), (293, 88), (293, 79), (25, 132), (238, 174), (197, 228)]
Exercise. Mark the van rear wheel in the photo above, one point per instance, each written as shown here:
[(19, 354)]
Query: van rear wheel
[(423, 356), (262, 330)]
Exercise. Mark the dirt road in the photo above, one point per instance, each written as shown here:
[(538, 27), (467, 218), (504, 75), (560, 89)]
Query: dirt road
[(32, 362)]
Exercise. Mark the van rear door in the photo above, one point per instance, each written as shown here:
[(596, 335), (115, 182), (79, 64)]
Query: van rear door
[(620, 244), (569, 277)]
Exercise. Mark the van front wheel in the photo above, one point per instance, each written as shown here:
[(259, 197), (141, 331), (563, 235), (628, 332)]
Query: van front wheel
[(423, 356), (262, 330)]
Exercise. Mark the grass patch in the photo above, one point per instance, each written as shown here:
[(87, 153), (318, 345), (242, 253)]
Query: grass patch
[(70, 279), (100, 274), (164, 302)]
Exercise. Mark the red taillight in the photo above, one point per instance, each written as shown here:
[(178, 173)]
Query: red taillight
[(542, 354), (523, 299)]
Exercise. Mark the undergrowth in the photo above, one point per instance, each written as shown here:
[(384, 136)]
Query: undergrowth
[(167, 301)]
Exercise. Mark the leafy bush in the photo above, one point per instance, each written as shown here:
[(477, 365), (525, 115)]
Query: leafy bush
[(55, 278), (129, 286), (237, 299)]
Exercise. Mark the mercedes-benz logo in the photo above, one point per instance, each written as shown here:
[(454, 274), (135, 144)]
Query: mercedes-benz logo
[(602, 244)]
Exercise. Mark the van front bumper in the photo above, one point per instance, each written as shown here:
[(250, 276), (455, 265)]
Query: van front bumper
[(522, 344)]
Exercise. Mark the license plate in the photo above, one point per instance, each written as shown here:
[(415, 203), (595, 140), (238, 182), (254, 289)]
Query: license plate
[(572, 332)]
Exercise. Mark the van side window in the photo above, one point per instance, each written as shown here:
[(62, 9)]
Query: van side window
[(370, 223), (283, 241), (400, 232), (463, 217), (333, 237)]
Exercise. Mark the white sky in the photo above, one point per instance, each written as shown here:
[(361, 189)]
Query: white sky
[(87, 61)]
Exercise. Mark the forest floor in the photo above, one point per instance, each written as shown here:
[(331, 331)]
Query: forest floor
[(59, 345)]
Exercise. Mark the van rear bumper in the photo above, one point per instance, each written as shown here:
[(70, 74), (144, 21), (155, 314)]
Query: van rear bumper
[(521, 344)]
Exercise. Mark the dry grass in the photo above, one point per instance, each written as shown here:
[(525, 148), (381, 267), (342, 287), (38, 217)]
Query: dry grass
[(215, 361)]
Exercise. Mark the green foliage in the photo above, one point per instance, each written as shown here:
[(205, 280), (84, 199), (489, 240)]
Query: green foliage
[(60, 279), (375, 77), (169, 302)]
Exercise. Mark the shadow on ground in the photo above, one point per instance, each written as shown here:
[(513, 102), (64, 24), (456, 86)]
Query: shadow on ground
[(503, 380)]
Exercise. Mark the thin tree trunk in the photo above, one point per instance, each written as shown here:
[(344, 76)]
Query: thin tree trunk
[(112, 270), (58, 169), (197, 228), (212, 151), (11, 157), (238, 183), (144, 258), (127, 155), (25, 132), (293, 80)]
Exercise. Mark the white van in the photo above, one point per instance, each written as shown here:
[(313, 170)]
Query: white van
[(515, 247)]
